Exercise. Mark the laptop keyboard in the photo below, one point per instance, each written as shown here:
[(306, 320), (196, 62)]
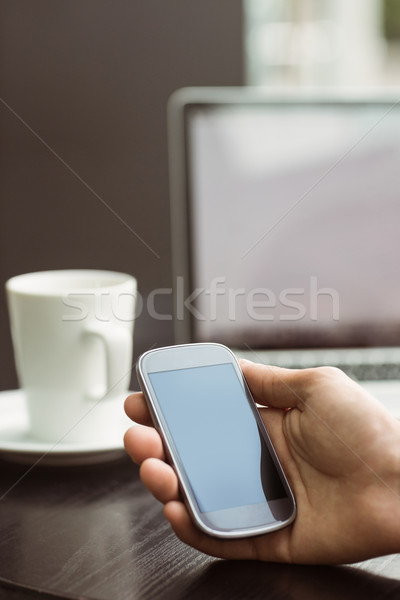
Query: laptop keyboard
[(375, 364), (367, 372)]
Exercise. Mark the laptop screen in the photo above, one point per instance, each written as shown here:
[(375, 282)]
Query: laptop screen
[(292, 212)]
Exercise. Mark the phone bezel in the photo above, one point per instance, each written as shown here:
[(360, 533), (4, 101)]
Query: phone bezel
[(197, 355)]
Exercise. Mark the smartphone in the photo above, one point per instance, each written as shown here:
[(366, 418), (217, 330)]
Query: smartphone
[(229, 473)]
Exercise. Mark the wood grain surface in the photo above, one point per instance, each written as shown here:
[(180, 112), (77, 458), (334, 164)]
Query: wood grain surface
[(94, 532)]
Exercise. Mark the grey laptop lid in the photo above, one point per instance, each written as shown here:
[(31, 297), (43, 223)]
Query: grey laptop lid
[(285, 218)]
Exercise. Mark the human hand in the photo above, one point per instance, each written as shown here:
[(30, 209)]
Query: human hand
[(340, 450)]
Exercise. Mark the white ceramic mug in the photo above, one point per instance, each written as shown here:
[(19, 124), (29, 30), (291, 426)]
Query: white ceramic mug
[(72, 333)]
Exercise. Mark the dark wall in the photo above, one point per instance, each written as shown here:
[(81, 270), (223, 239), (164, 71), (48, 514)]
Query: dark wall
[(83, 163)]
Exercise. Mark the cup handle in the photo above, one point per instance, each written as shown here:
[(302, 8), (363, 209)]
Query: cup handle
[(117, 343)]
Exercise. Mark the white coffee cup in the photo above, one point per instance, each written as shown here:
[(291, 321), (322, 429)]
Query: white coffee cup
[(72, 334)]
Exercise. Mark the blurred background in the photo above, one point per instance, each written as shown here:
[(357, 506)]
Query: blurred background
[(83, 138)]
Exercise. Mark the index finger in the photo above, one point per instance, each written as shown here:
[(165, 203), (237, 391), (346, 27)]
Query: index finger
[(136, 409), (276, 386)]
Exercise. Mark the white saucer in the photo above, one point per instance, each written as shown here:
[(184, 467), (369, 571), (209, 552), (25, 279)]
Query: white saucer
[(16, 443)]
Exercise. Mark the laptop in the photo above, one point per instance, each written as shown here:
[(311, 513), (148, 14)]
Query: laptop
[(285, 210)]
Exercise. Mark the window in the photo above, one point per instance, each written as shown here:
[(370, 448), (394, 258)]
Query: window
[(323, 42)]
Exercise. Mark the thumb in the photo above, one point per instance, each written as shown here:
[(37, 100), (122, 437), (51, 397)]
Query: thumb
[(275, 386)]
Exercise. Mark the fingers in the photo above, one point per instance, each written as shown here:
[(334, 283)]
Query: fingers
[(143, 442), (177, 514), (160, 479), (144, 446), (258, 548), (162, 482), (183, 526), (136, 409)]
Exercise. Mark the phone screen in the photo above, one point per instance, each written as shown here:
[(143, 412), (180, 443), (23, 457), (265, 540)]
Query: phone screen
[(216, 436)]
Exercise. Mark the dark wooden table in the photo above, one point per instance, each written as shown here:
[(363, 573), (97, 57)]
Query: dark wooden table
[(94, 532)]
